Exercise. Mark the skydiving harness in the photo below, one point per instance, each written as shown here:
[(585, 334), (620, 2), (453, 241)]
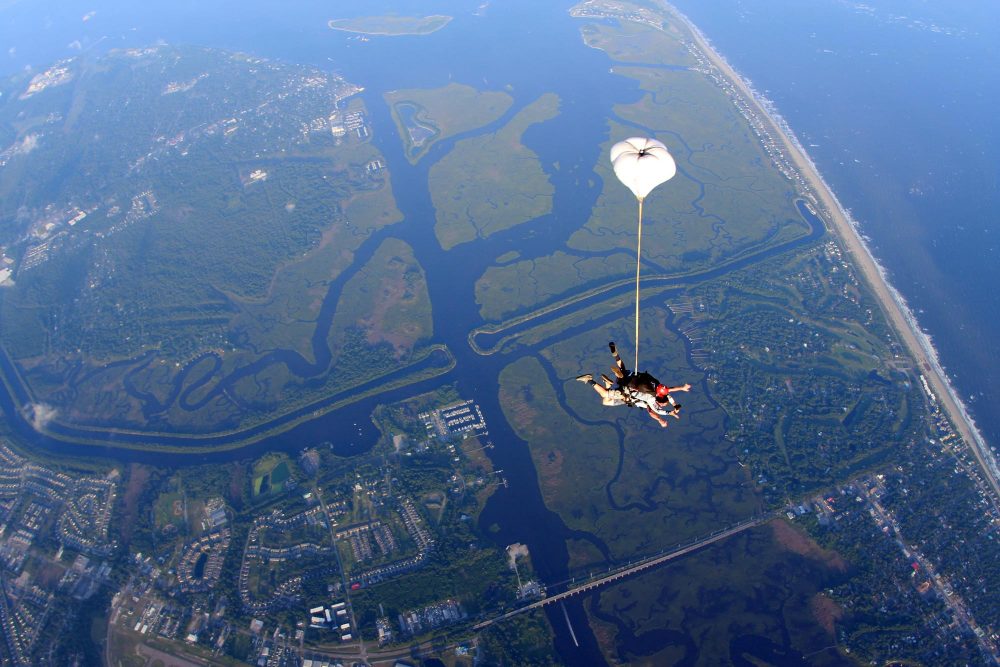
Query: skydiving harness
[(633, 398)]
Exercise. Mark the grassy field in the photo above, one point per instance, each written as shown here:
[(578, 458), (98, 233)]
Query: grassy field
[(629, 42), (122, 649), (278, 538), (387, 300), (391, 24), (270, 474), (573, 460), (530, 332), (542, 279), (169, 511), (440, 113), (490, 183)]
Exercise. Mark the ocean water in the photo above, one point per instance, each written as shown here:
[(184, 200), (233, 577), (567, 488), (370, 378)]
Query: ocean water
[(896, 103)]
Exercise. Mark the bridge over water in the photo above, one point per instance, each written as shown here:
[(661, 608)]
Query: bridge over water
[(632, 568)]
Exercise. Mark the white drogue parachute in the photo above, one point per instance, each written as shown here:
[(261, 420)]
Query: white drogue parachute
[(641, 164)]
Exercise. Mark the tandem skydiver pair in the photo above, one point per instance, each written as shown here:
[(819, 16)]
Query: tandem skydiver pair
[(636, 389)]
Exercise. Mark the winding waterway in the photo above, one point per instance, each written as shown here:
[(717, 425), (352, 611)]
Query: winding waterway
[(568, 147)]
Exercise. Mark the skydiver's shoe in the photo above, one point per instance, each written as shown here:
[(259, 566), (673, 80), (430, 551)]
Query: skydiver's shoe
[(607, 380), (586, 377), (618, 372), (611, 345)]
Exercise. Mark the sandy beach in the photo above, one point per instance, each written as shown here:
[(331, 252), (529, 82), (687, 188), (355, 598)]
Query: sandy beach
[(898, 314)]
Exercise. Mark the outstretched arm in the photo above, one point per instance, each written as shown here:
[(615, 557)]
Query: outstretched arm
[(660, 420)]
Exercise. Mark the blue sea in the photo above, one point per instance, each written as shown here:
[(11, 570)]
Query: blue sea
[(896, 102)]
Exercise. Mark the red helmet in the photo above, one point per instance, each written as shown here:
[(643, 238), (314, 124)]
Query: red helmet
[(662, 390)]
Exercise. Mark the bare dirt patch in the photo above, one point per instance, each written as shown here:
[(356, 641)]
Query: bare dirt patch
[(237, 483), (793, 540), (826, 611)]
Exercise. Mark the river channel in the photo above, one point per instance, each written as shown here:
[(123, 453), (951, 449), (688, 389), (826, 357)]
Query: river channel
[(542, 53)]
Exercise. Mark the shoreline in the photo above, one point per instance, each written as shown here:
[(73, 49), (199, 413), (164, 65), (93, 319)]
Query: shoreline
[(892, 303)]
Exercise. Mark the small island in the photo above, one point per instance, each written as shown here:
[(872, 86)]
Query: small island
[(391, 25)]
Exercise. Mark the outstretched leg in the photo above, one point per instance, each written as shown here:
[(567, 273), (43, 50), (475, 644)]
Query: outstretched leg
[(619, 368), (609, 396)]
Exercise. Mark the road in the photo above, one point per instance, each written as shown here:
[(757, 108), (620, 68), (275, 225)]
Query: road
[(362, 649), (944, 590), (889, 299), (630, 569), (389, 655)]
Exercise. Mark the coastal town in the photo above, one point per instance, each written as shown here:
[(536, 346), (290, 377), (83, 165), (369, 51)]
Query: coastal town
[(55, 547), (313, 570), (865, 506)]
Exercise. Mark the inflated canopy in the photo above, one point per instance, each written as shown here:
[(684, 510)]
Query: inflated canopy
[(642, 164)]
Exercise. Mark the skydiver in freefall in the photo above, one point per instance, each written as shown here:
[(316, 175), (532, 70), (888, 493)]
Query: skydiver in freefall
[(612, 396), (646, 387), (640, 390)]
